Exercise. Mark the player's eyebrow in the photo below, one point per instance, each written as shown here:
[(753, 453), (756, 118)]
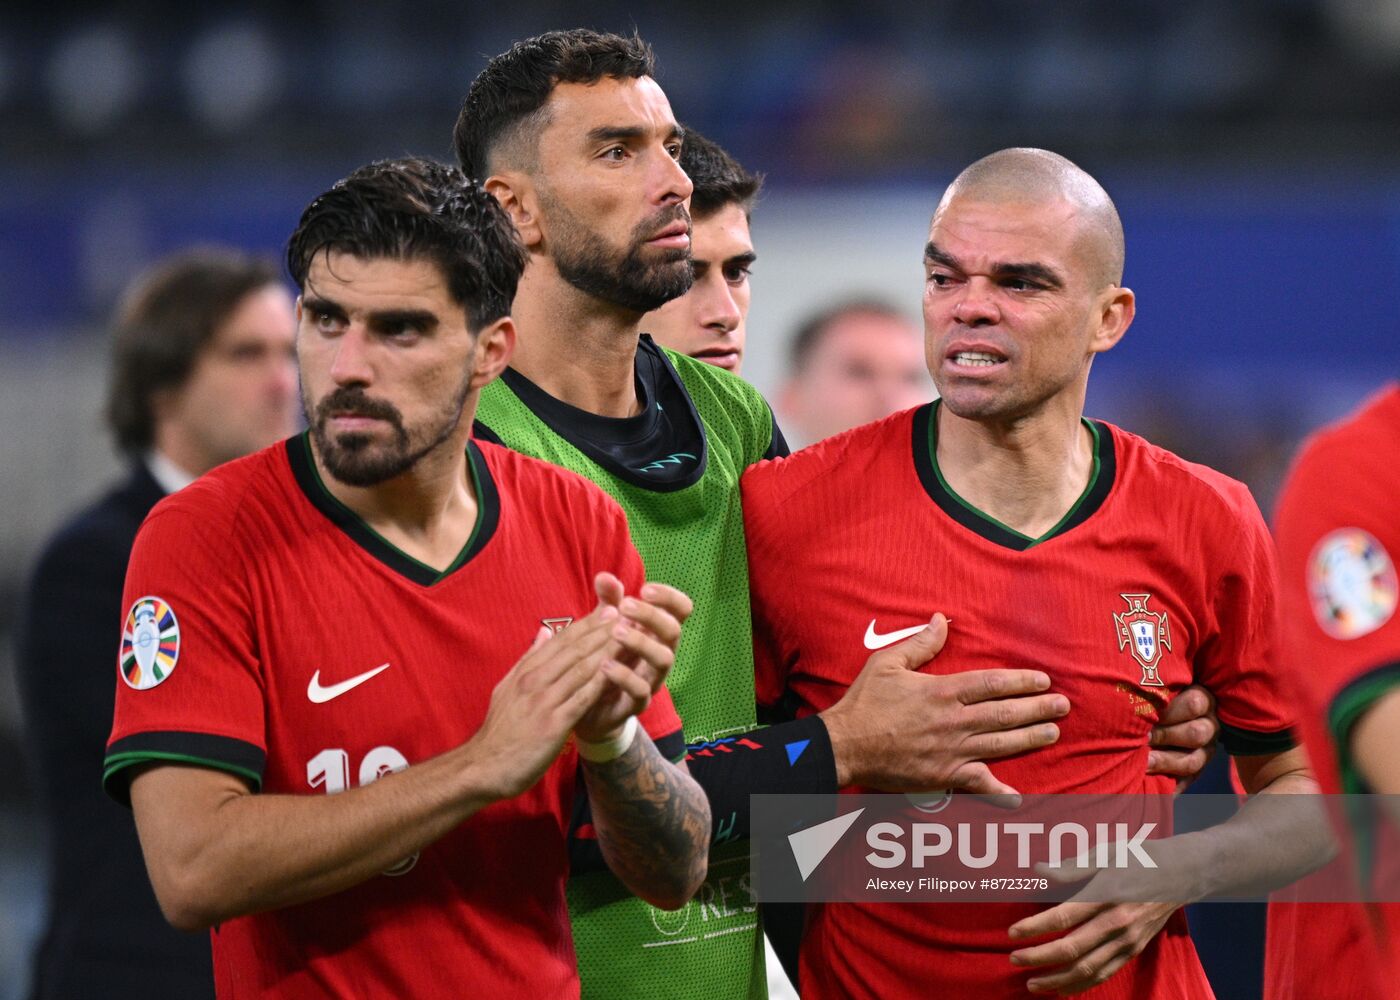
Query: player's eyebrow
[(323, 307), (619, 133), (1031, 270), (422, 320), (743, 259), (933, 255)]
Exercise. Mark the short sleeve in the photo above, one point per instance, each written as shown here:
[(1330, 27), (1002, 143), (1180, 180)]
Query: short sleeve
[(1337, 536), (1237, 659), (765, 583), (189, 683)]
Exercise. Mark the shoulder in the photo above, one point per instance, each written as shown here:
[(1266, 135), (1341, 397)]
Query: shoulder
[(545, 487), (102, 532), (1347, 472), (1155, 471), (215, 506), (718, 394), (1363, 442), (836, 465)]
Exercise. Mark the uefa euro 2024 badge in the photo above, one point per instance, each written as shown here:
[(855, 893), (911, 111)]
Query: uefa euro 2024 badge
[(1351, 583), (1146, 633), (150, 644)]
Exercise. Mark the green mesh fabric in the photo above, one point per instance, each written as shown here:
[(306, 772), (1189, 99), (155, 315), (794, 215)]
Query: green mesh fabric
[(692, 539)]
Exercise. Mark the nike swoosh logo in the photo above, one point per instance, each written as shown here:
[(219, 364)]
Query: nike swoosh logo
[(874, 640), (319, 695)]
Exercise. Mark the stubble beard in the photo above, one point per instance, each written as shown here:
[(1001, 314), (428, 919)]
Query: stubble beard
[(361, 459), (585, 260)]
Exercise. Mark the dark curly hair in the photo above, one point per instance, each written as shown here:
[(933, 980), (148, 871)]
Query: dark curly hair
[(719, 179), (505, 104), (416, 208)]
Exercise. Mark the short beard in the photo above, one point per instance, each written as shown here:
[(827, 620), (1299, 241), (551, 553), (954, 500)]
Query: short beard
[(352, 458), (585, 260)]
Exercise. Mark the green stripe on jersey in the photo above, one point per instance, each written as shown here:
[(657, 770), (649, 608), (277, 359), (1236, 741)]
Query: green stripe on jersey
[(692, 539)]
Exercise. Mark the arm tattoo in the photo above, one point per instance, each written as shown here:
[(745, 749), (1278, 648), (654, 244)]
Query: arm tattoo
[(653, 821)]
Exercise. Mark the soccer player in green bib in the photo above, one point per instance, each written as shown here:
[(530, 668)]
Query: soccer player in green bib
[(574, 137)]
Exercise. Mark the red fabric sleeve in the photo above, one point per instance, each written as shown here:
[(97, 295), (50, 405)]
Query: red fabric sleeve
[(200, 698), (766, 569), (1237, 659)]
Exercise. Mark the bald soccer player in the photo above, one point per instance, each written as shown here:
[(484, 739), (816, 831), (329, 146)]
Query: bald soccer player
[(1040, 533)]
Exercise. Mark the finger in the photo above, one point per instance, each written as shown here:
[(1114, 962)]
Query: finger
[(914, 652), (981, 685), (541, 637), (1194, 702), (1085, 973), (608, 588), (657, 619), (1176, 764), (1058, 919), (1014, 713), (1188, 735), (677, 602), (977, 778), (659, 656), (567, 649), (988, 746), (629, 682), (576, 705)]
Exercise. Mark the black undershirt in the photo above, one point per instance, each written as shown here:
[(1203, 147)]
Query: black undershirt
[(662, 448)]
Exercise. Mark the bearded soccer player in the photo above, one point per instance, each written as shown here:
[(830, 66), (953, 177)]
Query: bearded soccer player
[(575, 138), (330, 757), (1337, 539), (1122, 570)]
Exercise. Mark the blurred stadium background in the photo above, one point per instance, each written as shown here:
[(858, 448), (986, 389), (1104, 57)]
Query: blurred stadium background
[(1253, 147)]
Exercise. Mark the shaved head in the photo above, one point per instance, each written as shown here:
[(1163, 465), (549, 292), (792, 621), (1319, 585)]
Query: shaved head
[(1038, 176)]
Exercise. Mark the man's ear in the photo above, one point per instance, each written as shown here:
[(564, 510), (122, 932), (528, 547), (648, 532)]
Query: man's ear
[(1116, 309), (516, 194), (495, 344)]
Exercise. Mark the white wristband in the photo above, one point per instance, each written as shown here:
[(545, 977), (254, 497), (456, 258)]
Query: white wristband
[(606, 750)]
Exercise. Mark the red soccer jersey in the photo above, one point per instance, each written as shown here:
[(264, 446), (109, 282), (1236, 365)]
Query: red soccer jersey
[(272, 634), (1337, 532), (1160, 576)]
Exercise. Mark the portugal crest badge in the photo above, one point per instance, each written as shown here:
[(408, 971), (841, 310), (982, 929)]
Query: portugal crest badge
[(556, 625), (150, 644), (1146, 633)]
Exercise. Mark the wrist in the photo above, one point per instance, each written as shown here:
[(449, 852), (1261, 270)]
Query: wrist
[(841, 750), (612, 746)]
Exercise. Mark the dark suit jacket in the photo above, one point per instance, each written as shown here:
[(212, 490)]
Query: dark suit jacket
[(105, 934)]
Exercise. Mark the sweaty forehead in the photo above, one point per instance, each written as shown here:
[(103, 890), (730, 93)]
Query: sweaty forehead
[(576, 109)]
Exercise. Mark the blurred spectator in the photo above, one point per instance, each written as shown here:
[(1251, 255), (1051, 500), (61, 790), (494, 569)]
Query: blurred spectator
[(202, 372), (707, 322), (855, 362)]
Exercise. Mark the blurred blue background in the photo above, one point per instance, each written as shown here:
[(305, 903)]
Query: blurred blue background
[(1253, 148)]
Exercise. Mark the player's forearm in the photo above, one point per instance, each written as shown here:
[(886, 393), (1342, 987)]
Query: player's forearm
[(653, 823), (1279, 835), (216, 852)]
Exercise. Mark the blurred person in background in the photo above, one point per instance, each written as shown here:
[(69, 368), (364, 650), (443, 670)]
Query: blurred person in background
[(708, 322), (1337, 536), (202, 372), (854, 362)]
